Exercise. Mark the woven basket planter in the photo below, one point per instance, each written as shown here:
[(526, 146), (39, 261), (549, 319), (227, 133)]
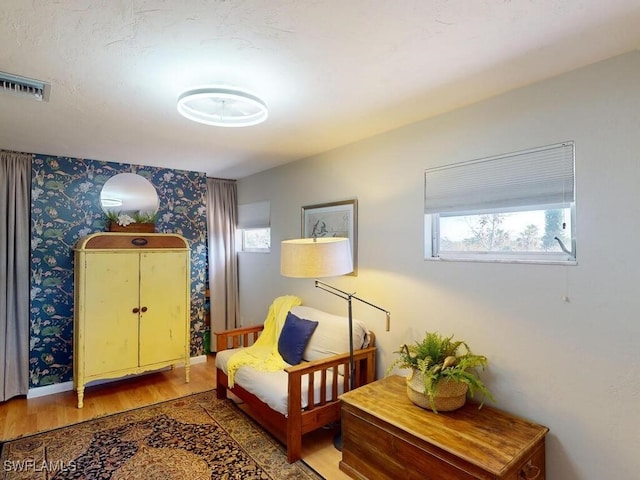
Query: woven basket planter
[(132, 227), (450, 395)]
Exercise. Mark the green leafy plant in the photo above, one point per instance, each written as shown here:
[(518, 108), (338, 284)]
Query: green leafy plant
[(112, 215), (136, 217), (145, 217), (438, 357)]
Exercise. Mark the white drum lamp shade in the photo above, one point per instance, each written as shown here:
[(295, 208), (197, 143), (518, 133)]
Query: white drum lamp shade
[(316, 257)]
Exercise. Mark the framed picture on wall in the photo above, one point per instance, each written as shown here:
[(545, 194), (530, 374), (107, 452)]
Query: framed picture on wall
[(335, 219)]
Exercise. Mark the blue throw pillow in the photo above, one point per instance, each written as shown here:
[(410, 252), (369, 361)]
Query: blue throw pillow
[(294, 337)]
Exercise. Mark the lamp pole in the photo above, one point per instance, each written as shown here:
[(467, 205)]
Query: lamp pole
[(325, 257), (349, 297)]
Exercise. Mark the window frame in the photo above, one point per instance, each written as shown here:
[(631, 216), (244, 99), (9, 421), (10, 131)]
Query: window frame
[(432, 239), (253, 216), (243, 240)]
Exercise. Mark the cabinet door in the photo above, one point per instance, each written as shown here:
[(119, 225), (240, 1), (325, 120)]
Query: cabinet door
[(164, 293), (110, 326)]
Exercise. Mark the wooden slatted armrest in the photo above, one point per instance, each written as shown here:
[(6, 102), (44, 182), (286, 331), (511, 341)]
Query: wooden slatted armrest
[(233, 331), (364, 363), (237, 337), (329, 362), (322, 364), (296, 373)]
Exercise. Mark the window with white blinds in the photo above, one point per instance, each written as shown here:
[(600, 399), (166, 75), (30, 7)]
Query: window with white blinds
[(254, 226), (518, 207), (254, 215)]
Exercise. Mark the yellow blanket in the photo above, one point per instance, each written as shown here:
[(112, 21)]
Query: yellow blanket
[(263, 355)]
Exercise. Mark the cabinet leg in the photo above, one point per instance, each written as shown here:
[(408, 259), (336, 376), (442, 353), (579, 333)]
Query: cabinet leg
[(80, 396), (187, 368)]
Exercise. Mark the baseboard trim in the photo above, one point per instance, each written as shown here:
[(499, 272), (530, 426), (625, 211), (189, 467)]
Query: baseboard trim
[(49, 389), (68, 386), (198, 359)]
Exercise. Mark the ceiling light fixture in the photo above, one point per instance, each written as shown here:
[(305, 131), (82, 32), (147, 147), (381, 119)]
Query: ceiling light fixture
[(222, 107)]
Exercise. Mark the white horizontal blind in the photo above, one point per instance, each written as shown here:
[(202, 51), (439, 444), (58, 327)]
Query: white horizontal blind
[(541, 176), (254, 215)]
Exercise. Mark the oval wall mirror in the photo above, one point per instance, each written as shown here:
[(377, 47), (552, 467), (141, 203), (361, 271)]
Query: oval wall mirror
[(129, 193)]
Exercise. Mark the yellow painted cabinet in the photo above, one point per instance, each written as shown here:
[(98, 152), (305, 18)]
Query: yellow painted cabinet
[(131, 305)]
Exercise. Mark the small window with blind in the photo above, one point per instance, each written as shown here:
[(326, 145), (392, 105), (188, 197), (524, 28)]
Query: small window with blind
[(517, 207), (254, 227)]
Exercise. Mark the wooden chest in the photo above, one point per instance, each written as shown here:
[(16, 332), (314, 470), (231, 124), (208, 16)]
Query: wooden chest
[(385, 435)]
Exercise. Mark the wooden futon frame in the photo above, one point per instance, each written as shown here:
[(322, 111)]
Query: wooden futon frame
[(320, 411)]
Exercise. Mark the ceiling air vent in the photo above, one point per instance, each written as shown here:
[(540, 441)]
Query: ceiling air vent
[(24, 86)]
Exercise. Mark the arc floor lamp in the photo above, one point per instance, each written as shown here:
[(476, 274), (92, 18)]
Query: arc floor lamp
[(325, 257)]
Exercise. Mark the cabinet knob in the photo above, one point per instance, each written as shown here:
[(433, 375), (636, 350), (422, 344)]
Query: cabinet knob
[(139, 242), (529, 472), (135, 310), (143, 309)]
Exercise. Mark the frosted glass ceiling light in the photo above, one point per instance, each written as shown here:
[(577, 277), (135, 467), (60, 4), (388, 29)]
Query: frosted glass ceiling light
[(222, 107)]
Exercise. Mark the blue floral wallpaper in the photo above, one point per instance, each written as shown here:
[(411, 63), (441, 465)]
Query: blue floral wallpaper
[(65, 205)]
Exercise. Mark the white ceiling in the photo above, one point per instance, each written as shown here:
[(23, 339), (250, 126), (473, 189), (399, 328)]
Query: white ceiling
[(332, 71)]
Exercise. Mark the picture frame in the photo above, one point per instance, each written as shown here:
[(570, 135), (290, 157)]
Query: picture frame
[(334, 219)]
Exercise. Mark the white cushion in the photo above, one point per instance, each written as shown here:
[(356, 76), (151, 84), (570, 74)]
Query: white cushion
[(272, 387), (331, 337)]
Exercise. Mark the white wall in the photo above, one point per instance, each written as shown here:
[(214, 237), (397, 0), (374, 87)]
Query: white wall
[(574, 367)]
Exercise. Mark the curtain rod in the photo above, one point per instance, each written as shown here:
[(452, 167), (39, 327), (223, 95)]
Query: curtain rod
[(222, 179)]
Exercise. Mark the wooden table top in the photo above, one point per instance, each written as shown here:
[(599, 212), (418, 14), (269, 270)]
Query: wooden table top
[(486, 437)]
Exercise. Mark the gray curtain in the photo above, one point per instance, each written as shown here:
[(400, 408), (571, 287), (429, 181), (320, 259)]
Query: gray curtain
[(222, 218), (15, 184)]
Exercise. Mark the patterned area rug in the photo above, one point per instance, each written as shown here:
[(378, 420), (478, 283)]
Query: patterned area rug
[(192, 438)]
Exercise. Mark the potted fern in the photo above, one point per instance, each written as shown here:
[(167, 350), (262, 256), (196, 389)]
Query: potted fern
[(441, 374), (135, 222)]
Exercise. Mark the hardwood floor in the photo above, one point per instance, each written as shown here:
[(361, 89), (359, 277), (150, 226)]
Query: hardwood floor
[(19, 416)]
